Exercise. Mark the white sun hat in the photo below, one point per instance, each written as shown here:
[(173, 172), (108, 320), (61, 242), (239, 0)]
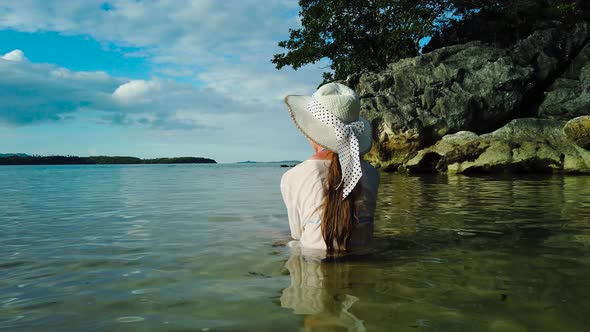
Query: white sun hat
[(330, 117)]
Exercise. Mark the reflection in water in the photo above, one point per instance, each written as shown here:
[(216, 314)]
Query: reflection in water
[(171, 248), (497, 205), (320, 293), (458, 253)]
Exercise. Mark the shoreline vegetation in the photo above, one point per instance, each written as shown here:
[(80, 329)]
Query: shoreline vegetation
[(97, 160)]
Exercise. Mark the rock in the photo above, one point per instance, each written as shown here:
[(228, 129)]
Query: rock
[(578, 130), (564, 100), (568, 98), (416, 101), (552, 51), (575, 67), (537, 145)]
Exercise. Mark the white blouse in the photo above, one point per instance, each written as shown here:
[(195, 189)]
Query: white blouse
[(302, 188)]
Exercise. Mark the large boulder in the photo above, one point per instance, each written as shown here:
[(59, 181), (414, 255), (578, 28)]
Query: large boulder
[(566, 99), (569, 95), (523, 145), (416, 101), (553, 52), (578, 131)]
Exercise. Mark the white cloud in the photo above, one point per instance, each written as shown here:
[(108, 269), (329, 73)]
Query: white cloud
[(31, 92), (16, 55), (137, 91), (35, 92), (225, 44), (225, 47)]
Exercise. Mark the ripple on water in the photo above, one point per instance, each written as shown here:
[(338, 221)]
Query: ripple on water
[(130, 319), (144, 291), (135, 244)]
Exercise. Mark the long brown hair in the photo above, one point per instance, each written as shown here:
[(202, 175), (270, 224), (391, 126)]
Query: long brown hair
[(338, 216)]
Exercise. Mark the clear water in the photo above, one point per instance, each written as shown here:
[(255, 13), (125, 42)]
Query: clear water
[(195, 247)]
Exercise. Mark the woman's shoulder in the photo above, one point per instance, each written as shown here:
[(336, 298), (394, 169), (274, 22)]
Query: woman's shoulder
[(305, 170)]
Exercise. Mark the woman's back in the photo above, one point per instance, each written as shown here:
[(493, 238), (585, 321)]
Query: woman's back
[(302, 188), (331, 197)]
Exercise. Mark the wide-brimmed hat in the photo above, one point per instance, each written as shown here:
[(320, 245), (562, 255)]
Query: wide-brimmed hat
[(337, 99), (330, 117)]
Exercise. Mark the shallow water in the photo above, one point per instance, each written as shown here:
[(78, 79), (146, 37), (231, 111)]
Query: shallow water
[(193, 247)]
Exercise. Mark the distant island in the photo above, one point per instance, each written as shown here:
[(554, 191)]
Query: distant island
[(23, 159), (13, 154)]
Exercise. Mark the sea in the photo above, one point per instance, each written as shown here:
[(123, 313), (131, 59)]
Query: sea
[(198, 247)]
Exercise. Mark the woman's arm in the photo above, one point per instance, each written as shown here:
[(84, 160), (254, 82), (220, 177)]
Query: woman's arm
[(292, 210)]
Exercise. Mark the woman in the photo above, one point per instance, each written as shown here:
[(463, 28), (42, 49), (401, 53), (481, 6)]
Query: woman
[(331, 197)]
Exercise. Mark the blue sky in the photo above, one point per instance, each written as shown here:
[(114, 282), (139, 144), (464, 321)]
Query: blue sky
[(149, 79)]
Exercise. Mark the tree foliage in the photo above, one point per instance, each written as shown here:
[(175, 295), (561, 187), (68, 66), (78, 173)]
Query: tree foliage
[(503, 22), (356, 36)]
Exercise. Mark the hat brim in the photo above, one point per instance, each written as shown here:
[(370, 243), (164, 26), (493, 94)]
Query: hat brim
[(320, 132)]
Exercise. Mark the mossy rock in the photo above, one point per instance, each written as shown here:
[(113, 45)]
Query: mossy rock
[(578, 130), (521, 146)]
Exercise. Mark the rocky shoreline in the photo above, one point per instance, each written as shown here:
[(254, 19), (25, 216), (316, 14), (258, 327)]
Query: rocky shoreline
[(523, 145), (477, 108)]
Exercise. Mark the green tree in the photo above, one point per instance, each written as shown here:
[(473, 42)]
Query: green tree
[(358, 35), (503, 22)]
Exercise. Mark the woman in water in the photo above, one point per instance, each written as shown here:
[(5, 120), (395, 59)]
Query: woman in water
[(331, 197)]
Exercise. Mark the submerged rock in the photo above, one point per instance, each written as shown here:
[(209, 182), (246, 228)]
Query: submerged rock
[(523, 145)]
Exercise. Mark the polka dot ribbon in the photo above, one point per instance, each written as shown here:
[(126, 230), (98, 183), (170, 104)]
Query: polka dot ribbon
[(347, 144)]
